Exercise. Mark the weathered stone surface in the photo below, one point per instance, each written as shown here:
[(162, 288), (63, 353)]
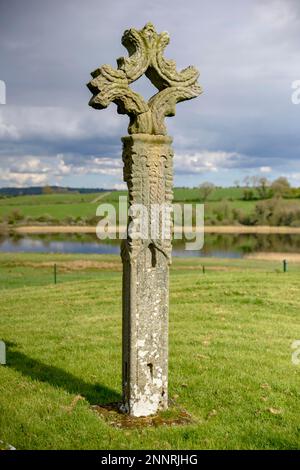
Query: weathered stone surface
[(148, 172), (145, 49)]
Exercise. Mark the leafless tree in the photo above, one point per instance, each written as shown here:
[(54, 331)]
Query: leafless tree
[(206, 189)]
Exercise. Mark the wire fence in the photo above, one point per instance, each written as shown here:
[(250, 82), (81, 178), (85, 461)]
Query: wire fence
[(15, 273)]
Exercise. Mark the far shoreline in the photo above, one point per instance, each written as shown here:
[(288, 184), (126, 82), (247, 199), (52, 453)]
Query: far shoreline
[(225, 229)]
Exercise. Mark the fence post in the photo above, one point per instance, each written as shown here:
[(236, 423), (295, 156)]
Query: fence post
[(54, 273), (285, 266), (2, 353)]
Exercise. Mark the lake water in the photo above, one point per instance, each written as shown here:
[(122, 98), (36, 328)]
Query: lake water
[(215, 245)]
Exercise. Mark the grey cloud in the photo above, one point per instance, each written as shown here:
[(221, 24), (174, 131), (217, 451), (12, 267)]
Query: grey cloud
[(248, 54)]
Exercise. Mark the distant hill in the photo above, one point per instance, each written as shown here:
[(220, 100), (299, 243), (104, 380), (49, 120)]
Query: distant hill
[(35, 190)]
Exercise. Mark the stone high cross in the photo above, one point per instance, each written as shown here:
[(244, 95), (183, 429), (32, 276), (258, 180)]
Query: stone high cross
[(148, 172)]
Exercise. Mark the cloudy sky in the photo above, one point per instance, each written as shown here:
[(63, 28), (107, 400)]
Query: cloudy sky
[(248, 54)]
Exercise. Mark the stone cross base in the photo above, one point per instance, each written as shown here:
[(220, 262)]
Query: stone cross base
[(148, 173)]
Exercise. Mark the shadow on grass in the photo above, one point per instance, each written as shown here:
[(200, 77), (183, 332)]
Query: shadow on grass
[(36, 370)]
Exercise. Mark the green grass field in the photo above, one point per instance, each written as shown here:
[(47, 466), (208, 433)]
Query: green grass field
[(231, 331), (80, 209), (46, 199), (57, 206)]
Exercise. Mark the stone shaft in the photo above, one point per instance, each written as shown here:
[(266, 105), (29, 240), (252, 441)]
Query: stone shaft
[(148, 174)]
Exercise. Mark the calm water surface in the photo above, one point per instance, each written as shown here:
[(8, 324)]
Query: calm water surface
[(216, 245)]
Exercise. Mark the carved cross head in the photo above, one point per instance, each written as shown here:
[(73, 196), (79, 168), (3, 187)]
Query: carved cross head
[(145, 48)]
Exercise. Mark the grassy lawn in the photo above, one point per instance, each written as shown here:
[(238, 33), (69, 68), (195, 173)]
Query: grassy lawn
[(231, 331)]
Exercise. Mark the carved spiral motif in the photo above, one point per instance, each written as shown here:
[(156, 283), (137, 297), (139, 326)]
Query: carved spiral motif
[(145, 49)]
